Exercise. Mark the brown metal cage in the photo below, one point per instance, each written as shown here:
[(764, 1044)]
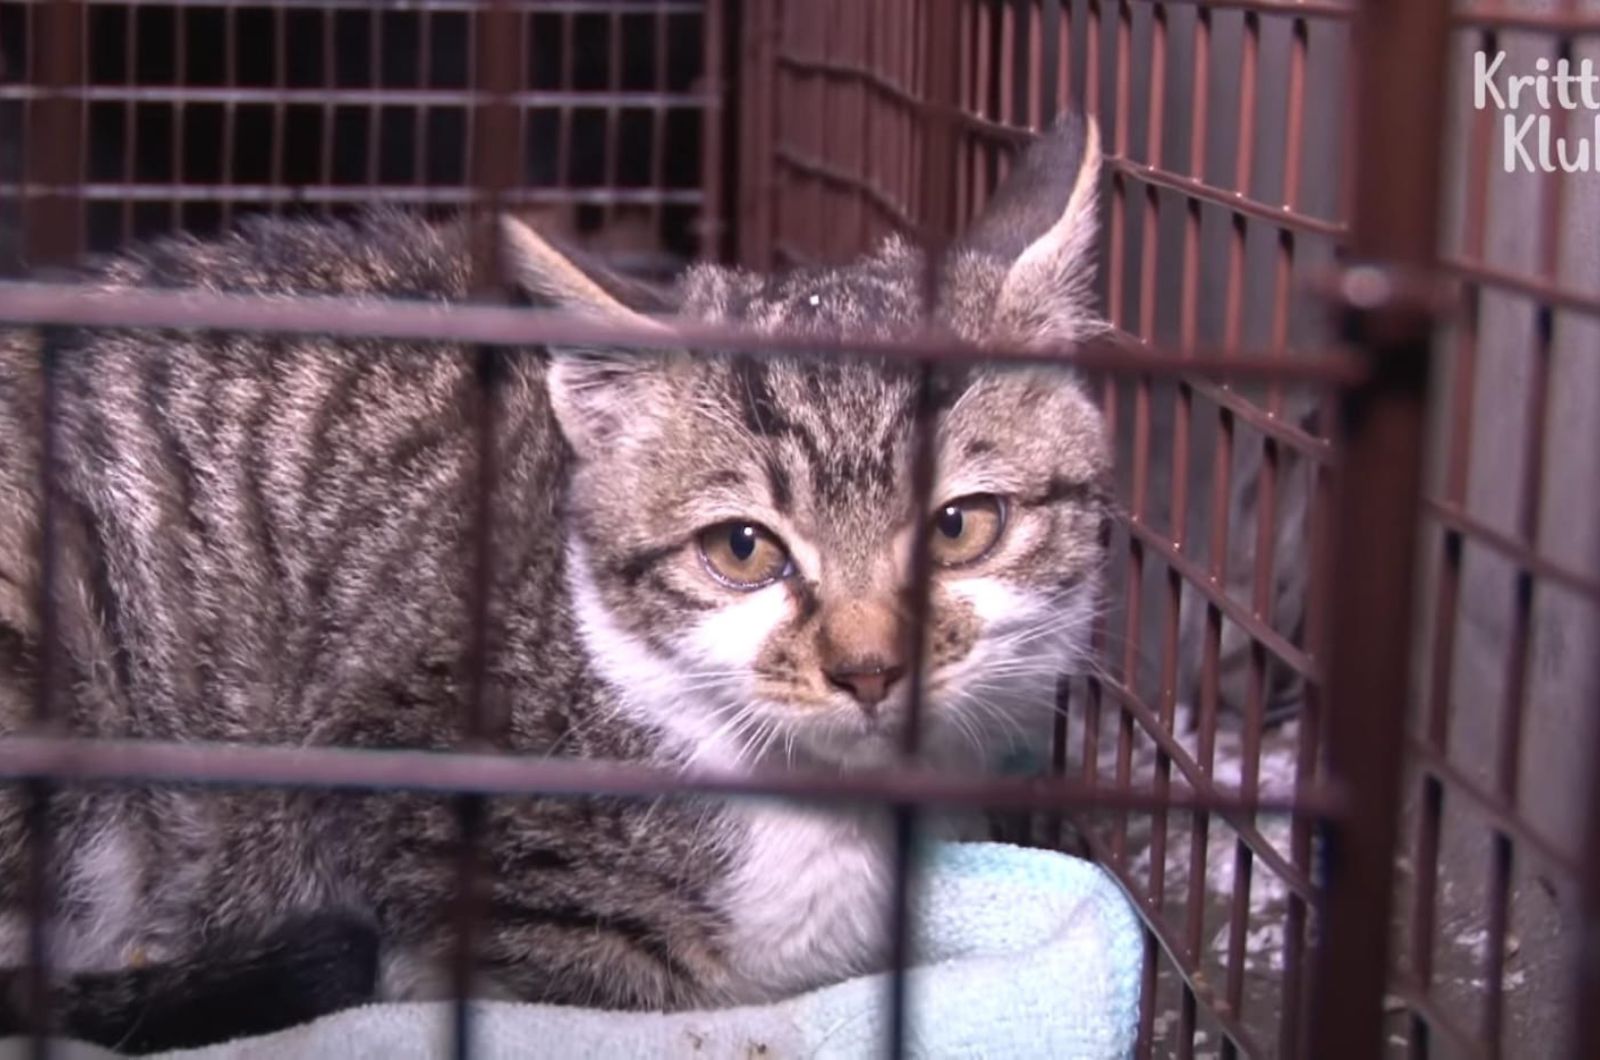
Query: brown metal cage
[(1339, 743), (192, 113)]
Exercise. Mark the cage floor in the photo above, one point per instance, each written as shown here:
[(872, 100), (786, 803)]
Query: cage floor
[(1462, 935)]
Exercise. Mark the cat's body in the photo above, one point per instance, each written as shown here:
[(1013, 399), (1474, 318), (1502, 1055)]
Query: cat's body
[(269, 540)]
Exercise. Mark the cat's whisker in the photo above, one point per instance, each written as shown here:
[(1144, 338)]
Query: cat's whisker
[(748, 735), (753, 750), (1011, 643), (776, 731), (765, 733), (734, 726), (1020, 671), (988, 710), (964, 726)]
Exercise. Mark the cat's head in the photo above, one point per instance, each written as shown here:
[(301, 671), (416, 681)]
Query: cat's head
[(742, 526)]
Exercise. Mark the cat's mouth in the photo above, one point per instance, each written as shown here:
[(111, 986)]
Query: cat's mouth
[(970, 714), (872, 745), (965, 718), (850, 738)]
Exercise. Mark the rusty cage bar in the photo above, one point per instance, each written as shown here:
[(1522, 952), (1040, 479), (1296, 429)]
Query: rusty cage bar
[(1276, 476)]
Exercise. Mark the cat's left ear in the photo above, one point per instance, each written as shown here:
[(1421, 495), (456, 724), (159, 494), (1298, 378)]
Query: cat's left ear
[(597, 393), (1024, 271)]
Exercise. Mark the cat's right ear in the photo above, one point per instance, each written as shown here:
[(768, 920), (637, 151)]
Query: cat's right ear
[(597, 393), (1024, 271)]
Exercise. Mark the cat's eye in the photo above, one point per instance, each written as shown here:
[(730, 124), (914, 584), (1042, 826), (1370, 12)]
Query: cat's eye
[(966, 529), (743, 555)]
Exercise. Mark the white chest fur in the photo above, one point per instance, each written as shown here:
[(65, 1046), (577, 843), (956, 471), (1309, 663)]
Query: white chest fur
[(808, 898), (808, 893)]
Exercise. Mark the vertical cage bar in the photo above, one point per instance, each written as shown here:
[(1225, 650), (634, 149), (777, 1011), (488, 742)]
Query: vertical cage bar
[(53, 221), (1233, 326), (967, 94), (987, 102), (280, 81), (1447, 594), (869, 148), (496, 153), (916, 57), (831, 34), (1119, 314), (1211, 643), (130, 115), (785, 90), (614, 82), (1401, 51), (330, 82), (754, 90), (38, 794), (767, 124), (898, 113), (1510, 730), (569, 53), (1497, 923), (180, 59), (1091, 61), (1052, 62), (810, 114), (713, 115), (1294, 149), (658, 115), (374, 115), (1243, 165), (230, 113), (1308, 752), (941, 97), (1172, 581), (1022, 62), (419, 116), (852, 144), (53, 235), (1584, 1034)]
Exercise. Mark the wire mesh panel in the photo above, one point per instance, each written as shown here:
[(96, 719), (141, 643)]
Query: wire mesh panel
[(195, 113), (1502, 731), (1227, 140), (1222, 203), (1222, 200)]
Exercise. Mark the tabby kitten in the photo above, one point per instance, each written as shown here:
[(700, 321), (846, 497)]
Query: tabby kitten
[(701, 563)]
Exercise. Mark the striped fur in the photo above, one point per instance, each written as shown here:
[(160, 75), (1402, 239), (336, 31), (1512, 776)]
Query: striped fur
[(268, 540)]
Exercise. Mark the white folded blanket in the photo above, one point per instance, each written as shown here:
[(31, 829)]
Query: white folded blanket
[(1022, 953)]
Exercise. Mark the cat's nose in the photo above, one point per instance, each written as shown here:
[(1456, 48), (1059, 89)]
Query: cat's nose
[(868, 684)]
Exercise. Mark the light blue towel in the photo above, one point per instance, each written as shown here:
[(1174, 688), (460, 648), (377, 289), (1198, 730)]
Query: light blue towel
[(1024, 953)]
